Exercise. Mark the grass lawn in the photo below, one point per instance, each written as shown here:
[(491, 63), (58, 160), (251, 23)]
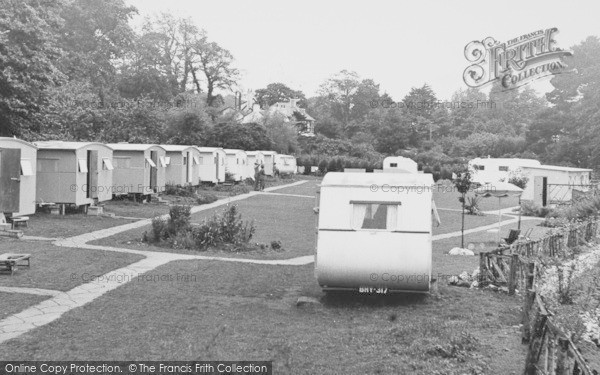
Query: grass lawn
[(290, 220), (308, 188), (451, 221), (13, 303), (47, 225), (482, 241), (59, 268), (242, 311)]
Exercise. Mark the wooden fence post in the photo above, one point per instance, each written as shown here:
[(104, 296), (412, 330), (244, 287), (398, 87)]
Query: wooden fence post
[(482, 268), (512, 278)]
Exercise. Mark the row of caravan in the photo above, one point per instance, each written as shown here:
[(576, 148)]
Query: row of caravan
[(83, 173)]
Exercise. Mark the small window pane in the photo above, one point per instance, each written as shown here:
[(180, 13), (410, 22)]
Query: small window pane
[(374, 216), (503, 168)]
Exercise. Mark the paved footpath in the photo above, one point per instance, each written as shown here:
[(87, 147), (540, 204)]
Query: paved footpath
[(61, 302)]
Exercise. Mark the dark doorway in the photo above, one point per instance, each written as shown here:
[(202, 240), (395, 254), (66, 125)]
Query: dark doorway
[(92, 175), (10, 179), (154, 171)]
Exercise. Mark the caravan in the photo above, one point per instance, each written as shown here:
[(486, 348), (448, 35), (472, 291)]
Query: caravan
[(17, 176), (374, 232)]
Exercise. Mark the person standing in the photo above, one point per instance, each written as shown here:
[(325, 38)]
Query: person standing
[(256, 176), (261, 177)]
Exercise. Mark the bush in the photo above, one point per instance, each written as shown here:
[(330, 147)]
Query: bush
[(472, 206), (228, 229), (323, 166), (179, 219), (529, 208), (233, 189), (159, 230), (178, 190), (206, 198)]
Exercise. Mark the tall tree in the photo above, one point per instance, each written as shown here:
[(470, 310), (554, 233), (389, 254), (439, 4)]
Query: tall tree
[(29, 30), (217, 65), (278, 92), (95, 35)]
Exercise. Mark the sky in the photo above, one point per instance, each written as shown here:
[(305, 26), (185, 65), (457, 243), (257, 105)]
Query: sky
[(399, 44)]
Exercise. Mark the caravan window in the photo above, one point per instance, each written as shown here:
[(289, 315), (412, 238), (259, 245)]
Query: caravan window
[(503, 168), (374, 215), (394, 165)]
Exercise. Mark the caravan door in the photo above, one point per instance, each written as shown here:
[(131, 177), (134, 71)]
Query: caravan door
[(10, 178), (153, 172), (92, 175)]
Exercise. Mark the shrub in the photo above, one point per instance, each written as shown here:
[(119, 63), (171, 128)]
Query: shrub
[(472, 205), (276, 245), (159, 230), (323, 166), (179, 219), (529, 208), (206, 198), (178, 190)]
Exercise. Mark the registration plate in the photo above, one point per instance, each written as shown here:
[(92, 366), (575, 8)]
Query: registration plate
[(371, 290)]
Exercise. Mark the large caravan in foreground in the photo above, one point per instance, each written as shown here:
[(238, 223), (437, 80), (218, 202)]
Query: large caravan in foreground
[(374, 232)]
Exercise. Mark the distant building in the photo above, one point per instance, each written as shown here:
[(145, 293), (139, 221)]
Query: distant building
[(246, 110), (489, 170), (296, 116)]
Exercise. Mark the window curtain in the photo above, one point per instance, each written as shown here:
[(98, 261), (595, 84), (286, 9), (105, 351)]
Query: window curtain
[(358, 215)]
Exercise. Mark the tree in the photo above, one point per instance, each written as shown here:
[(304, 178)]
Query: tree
[(95, 35), (29, 54), (338, 92), (278, 92), (247, 137), (216, 64), (283, 136), (462, 183)]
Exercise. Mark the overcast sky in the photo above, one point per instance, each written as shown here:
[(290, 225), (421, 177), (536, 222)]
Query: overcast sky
[(399, 44)]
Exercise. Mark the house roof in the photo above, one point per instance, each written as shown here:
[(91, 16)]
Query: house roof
[(8, 139), (132, 146), (64, 145), (377, 179), (558, 168)]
